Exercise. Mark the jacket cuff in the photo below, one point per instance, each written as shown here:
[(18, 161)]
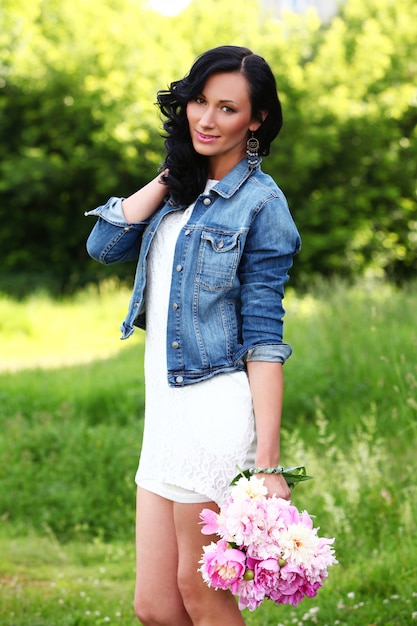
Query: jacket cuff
[(111, 212), (274, 353)]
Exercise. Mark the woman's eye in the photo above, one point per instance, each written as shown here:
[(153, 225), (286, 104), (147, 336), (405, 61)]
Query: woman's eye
[(199, 100), (227, 109)]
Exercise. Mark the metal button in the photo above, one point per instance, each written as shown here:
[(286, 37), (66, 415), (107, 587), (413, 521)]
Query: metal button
[(179, 379), (179, 267), (187, 232), (207, 201), (175, 345), (221, 244), (175, 306)]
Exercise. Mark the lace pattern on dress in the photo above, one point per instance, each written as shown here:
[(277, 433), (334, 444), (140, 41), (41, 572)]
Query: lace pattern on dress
[(195, 436)]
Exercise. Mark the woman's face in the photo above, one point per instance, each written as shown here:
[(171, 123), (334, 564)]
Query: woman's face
[(220, 118)]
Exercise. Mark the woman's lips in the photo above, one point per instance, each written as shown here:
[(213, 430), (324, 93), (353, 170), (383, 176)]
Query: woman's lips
[(205, 138)]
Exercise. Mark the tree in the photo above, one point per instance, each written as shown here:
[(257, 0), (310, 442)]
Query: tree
[(78, 124)]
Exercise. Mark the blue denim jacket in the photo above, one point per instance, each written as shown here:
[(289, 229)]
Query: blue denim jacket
[(231, 262)]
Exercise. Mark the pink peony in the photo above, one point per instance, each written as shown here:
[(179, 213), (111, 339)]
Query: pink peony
[(299, 544), (290, 588), (210, 519), (267, 548), (244, 521), (250, 595), (267, 544), (222, 566), (249, 489), (324, 558), (267, 574)]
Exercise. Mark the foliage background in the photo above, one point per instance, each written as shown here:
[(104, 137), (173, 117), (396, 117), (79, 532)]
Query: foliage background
[(78, 124)]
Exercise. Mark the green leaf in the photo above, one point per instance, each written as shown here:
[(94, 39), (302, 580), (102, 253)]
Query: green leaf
[(292, 475)]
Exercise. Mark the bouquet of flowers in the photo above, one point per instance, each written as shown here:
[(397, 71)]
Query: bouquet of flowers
[(267, 548)]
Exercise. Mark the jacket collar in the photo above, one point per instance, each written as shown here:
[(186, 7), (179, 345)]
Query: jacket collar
[(228, 185)]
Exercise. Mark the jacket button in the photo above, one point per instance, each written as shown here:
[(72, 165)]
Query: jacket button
[(207, 201), (187, 232), (175, 306), (179, 379), (179, 267), (175, 345)]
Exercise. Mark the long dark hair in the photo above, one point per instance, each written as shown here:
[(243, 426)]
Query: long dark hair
[(188, 170)]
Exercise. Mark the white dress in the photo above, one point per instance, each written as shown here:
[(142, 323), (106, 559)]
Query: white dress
[(197, 436)]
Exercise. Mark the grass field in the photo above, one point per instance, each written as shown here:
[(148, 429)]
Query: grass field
[(71, 405)]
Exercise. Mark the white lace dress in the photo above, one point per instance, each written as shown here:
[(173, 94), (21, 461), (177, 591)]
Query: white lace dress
[(195, 436)]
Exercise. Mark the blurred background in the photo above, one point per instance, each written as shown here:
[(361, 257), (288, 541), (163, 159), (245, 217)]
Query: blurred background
[(78, 123)]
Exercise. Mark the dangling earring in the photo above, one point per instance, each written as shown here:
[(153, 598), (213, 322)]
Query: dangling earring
[(252, 152)]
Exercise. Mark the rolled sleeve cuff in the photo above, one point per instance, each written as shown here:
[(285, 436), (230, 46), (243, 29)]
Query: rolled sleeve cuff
[(111, 212), (274, 353)]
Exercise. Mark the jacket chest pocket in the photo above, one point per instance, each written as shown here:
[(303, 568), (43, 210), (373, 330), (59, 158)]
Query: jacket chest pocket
[(218, 258)]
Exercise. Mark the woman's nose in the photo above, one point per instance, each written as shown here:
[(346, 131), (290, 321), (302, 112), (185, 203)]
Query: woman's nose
[(207, 119)]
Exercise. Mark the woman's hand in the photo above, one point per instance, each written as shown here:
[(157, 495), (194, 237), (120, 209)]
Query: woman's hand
[(276, 485), (143, 203)]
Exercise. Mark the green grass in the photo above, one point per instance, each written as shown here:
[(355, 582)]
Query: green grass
[(44, 582), (71, 406)]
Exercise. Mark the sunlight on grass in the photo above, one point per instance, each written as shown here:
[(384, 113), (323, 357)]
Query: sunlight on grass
[(76, 584), (41, 332), (66, 546)]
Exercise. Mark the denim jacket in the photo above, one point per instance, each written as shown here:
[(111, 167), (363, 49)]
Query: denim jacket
[(231, 262)]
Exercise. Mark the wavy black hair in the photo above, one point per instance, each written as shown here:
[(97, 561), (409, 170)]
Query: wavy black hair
[(188, 170)]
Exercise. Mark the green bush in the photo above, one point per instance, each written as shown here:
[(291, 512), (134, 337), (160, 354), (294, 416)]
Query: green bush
[(78, 124)]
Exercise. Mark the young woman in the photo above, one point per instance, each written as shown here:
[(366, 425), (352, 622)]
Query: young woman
[(214, 240)]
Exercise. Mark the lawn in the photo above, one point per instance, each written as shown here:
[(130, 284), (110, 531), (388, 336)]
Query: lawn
[(71, 406)]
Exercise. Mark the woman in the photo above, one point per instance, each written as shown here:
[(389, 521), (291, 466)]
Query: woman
[(215, 241)]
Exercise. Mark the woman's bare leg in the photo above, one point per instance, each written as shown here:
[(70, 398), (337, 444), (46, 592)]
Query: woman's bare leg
[(158, 601), (206, 606)]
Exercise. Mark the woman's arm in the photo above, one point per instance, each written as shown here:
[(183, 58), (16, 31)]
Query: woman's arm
[(117, 234), (266, 381), (271, 243), (140, 205)]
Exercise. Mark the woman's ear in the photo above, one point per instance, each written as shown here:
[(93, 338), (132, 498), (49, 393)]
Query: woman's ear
[(260, 118)]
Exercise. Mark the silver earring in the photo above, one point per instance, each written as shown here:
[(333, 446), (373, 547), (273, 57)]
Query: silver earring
[(252, 152)]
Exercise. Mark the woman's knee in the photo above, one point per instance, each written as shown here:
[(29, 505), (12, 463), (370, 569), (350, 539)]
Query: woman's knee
[(204, 603), (143, 611), (148, 611), (154, 610), (194, 593)]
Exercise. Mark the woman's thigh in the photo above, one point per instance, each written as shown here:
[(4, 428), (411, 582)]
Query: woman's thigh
[(157, 598), (204, 604)]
